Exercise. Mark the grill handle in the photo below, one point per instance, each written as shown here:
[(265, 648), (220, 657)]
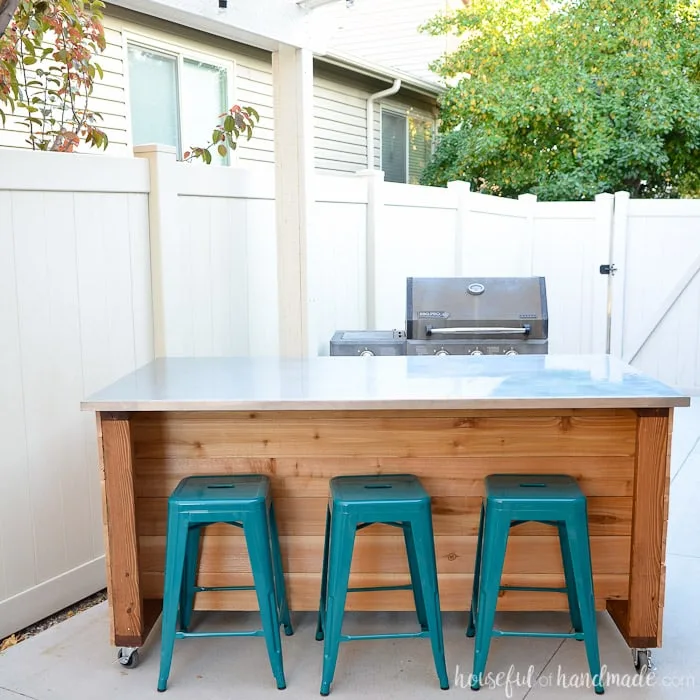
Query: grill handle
[(495, 330)]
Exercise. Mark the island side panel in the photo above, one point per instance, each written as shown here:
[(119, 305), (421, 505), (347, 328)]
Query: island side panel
[(128, 624), (640, 616), (450, 451)]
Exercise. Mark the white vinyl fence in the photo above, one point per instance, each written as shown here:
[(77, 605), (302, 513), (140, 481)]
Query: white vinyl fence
[(108, 262), (75, 314)]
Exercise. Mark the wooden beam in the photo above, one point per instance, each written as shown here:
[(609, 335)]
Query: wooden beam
[(639, 618), (127, 623)]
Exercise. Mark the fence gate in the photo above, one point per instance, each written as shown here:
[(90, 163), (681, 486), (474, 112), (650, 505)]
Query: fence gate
[(654, 288)]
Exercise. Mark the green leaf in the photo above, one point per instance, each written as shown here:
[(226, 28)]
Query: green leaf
[(250, 132), (253, 113), (222, 150), (29, 60), (216, 136), (229, 123), (206, 156)]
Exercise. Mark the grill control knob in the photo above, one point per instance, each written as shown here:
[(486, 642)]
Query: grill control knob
[(366, 353), (511, 352), (442, 353), (476, 352)]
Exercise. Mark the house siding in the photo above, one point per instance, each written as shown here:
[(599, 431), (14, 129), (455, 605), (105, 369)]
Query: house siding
[(339, 97)]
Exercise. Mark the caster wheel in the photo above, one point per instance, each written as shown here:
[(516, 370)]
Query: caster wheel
[(642, 661), (129, 658)]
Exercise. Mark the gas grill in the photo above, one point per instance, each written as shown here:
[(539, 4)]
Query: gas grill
[(476, 316)]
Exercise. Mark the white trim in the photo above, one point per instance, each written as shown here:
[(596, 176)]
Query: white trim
[(46, 598)]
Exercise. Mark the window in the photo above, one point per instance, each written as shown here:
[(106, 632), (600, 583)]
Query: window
[(407, 144), (175, 100)]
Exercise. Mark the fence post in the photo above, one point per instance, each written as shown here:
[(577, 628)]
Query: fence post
[(461, 191), (292, 87), (375, 218), (616, 283), (600, 252), (163, 223), (529, 202)]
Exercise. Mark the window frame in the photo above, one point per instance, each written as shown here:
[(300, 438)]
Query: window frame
[(181, 53), (406, 113)]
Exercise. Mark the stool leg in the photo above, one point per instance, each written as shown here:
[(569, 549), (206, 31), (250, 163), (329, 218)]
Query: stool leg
[(342, 542), (574, 610), (280, 586), (176, 543), (577, 528), (189, 576), (496, 529), (473, 610), (257, 535), (425, 555), (415, 576), (322, 604)]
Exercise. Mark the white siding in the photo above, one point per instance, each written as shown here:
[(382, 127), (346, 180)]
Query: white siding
[(340, 123)]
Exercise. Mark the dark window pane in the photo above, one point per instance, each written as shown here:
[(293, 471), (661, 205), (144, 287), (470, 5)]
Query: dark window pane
[(394, 146)]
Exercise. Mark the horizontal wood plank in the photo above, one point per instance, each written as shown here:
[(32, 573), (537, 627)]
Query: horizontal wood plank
[(455, 589), (452, 515), (442, 476), (387, 554), (227, 434)]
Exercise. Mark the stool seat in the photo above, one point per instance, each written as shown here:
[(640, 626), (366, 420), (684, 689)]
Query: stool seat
[(512, 499), (357, 502), (225, 491), (523, 491), (243, 501), (377, 490)]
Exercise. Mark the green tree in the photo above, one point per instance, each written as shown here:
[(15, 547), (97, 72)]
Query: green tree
[(572, 98), (47, 71)]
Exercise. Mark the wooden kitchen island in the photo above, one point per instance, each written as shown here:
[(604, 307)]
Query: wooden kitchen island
[(449, 420)]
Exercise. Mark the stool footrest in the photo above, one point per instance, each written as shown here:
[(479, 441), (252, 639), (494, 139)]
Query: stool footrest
[(396, 635), (366, 589), (184, 635), (199, 589), (540, 589), (552, 635)]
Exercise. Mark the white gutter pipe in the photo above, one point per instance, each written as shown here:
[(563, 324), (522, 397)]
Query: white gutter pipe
[(370, 118)]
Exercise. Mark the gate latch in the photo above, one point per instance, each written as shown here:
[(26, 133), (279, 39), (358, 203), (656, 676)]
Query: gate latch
[(608, 269)]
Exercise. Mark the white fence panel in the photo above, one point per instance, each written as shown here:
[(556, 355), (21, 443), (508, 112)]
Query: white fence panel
[(659, 285), (337, 259), (75, 315), (417, 237), (215, 259), (570, 241)]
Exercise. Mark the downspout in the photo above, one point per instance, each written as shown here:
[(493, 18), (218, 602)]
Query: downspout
[(370, 118)]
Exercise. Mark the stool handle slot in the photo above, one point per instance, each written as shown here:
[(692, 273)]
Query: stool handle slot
[(221, 486), (378, 486), (531, 486)]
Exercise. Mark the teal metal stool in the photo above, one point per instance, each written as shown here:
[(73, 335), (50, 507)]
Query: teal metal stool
[(355, 503), (512, 499), (242, 500)]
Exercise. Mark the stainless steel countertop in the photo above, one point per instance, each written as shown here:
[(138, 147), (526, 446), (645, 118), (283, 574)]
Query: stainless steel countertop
[(383, 383)]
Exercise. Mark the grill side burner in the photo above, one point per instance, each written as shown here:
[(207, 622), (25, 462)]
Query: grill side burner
[(476, 316), (366, 343)]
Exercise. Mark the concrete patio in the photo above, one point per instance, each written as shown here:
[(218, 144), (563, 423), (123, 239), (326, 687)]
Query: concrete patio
[(74, 661)]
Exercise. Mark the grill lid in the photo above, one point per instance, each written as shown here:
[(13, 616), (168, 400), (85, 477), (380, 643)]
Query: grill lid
[(450, 308)]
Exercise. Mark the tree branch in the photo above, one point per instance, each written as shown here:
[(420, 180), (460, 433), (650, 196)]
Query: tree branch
[(7, 9)]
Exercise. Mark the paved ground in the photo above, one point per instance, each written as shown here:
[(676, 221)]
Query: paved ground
[(73, 660)]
